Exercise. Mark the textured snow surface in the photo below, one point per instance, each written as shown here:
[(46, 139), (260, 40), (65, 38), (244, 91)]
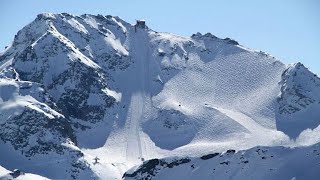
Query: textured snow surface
[(96, 86)]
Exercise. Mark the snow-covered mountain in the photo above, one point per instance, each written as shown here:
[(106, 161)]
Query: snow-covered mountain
[(73, 88)]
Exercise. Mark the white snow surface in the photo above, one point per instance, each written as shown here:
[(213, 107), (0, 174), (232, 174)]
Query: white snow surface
[(5, 175), (180, 96)]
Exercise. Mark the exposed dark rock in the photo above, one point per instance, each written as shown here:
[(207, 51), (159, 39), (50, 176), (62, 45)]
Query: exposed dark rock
[(231, 41), (150, 168), (209, 156), (225, 162), (231, 151), (19, 129)]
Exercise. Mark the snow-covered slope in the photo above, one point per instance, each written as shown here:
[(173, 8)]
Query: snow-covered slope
[(8, 175), (73, 88), (256, 163)]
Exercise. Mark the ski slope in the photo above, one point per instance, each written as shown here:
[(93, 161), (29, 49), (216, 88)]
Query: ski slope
[(137, 101)]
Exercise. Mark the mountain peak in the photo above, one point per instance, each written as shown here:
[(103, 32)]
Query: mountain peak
[(298, 66), (298, 100), (47, 15), (298, 73), (209, 36)]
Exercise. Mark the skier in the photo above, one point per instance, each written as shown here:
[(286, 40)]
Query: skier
[(96, 159)]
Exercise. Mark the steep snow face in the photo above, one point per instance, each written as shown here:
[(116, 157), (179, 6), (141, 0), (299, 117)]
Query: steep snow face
[(225, 91), (74, 88), (299, 100), (255, 163)]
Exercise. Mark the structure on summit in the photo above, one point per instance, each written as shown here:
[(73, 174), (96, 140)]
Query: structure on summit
[(140, 24)]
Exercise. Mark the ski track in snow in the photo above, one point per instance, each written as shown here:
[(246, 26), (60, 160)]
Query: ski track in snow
[(127, 141), (133, 149), (138, 100), (244, 120)]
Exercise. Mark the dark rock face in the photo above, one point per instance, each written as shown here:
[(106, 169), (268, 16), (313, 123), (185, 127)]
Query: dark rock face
[(28, 133), (209, 156), (73, 103), (231, 151), (231, 41), (149, 169), (33, 126)]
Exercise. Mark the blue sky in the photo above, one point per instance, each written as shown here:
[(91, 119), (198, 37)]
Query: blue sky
[(286, 29)]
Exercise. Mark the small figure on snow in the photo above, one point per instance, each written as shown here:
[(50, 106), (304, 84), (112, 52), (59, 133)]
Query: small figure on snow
[(96, 159)]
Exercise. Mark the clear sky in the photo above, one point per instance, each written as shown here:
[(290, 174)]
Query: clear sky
[(286, 29)]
